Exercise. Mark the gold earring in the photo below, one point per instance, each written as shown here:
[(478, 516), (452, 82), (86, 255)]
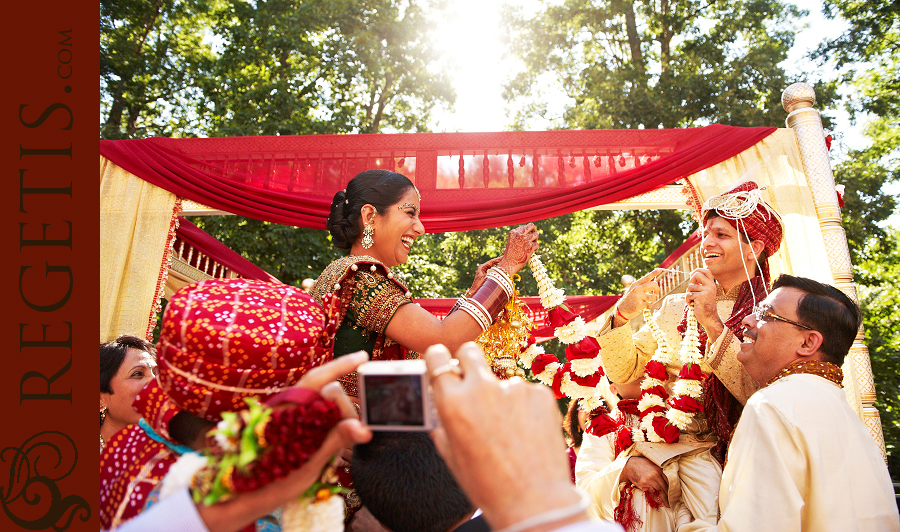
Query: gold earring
[(368, 234), (103, 412), (368, 239)]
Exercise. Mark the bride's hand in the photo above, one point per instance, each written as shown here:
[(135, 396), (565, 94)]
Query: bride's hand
[(520, 245), (480, 275)]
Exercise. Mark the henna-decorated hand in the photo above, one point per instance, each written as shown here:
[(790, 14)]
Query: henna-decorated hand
[(520, 245), (481, 274)]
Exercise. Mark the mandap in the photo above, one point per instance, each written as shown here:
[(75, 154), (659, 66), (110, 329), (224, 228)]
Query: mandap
[(146, 185)]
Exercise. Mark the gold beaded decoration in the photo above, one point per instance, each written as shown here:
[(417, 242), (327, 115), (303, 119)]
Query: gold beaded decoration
[(825, 370)]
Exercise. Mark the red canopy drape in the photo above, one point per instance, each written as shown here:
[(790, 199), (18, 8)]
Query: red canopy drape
[(531, 175), (219, 252)]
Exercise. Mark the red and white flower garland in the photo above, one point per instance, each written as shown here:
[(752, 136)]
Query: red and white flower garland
[(664, 418), (577, 378)]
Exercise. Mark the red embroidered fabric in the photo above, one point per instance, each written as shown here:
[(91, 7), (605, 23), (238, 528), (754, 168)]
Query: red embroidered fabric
[(292, 179)]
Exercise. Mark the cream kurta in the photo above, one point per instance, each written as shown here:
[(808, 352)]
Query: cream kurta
[(688, 464), (597, 473), (801, 460)]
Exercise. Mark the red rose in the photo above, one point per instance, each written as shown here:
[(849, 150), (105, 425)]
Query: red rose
[(600, 425), (590, 381), (656, 370), (652, 409), (691, 371), (659, 391), (541, 362), (623, 439), (686, 404), (557, 381), (586, 348), (560, 316), (666, 430)]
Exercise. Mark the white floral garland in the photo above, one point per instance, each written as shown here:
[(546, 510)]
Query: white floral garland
[(684, 387), (571, 333)]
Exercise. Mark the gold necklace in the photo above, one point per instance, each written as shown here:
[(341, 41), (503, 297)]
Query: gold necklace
[(825, 370)]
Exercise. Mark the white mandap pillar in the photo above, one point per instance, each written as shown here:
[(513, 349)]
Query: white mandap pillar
[(798, 100)]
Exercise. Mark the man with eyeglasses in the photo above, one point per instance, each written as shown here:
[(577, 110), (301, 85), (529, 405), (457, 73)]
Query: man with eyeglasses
[(800, 458), (740, 232)]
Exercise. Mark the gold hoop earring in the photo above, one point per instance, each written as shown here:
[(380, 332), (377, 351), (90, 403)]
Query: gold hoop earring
[(368, 239)]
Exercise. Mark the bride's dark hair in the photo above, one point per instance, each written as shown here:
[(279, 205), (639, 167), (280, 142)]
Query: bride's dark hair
[(379, 188)]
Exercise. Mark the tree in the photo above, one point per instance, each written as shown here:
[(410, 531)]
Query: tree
[(151, 56), (642, 63), (290, 67), (879, 296)]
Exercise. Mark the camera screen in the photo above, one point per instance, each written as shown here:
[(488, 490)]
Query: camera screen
[(394, 400)]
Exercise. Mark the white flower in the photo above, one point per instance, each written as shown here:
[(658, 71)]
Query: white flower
[(650, 400), (228, 434), (549, 372), (181, 473), (553, 298), (571, 333), (307, 515), (688, 387), (592, 401), (574, 390), (650, 382), (647, 425), (585, 366), (638, 435), (527, 356), (680, 419)]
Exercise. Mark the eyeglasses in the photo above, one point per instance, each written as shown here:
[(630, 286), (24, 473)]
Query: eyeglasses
[(762, 313)]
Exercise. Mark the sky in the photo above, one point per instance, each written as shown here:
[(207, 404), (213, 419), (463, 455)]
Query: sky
[(471, 35)]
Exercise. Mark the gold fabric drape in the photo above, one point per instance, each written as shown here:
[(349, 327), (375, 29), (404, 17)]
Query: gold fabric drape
[(136, 228), (776, 167)]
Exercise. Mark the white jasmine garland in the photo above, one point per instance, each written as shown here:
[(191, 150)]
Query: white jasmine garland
[(638, 435), (181, 473), (549, 372), (647, 426), (650, 382), (688, 387), (528, 355), (592, 401), (680, 419), (649, 400), (572, 332), (574, 390), (585, 366), (310, 515)]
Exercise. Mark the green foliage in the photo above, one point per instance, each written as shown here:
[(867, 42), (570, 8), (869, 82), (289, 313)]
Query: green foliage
[(289, 253), (879, 295), (641, 63), (151, 56), (870, 51), (290, 67), (866, 204)]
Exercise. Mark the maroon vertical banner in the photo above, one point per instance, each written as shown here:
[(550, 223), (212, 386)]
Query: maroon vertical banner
[(49, 274)]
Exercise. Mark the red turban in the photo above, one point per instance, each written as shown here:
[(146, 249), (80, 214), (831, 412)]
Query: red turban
[(744, 208), (226, 339)]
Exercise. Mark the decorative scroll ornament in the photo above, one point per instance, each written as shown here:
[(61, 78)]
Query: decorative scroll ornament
[(663, 418)]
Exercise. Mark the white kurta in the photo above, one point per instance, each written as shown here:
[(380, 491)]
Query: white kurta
[(801, 460), (597, 472)]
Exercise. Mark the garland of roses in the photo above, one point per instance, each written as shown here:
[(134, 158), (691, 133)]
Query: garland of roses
[(664, 418), (577, 378), (259, 445)]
